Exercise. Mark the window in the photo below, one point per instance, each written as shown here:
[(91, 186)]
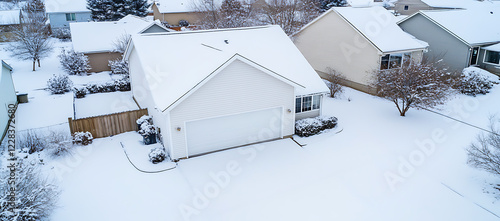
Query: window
[(492, 57), (390, 61), (307, 103), (70, 17), (406, 7)]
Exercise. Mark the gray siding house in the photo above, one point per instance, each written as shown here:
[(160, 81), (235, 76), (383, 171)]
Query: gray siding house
[(7, 96), (62, 13), (454, 36)]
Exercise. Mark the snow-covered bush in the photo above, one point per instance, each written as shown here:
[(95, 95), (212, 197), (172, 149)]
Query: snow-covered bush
[(117, 85), (83, 138), (59, 143), (147, 129), (31, 141), (145, 118), (157, 155), (118, 66), (74, 63), (311, 126), (62, 33), (334, 81), (475, 81), (183, 23), (59, 84), (80, 92), (35, 197), (122, 84)]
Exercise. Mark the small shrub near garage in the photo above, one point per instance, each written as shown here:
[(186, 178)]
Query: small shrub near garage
[(312, 126), (59, 84), (474, 82), (148, 132), (143, 119), (82, 138), (157, 155)]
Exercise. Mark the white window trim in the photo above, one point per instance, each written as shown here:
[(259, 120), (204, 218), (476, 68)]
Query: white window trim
[(312, 103), (484, 58), (71, 17), (402, 60)]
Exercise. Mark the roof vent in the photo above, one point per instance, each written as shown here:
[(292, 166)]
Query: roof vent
[(226, 41)]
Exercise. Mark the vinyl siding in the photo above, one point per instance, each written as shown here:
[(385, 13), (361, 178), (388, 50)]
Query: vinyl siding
[(7, 96), (324, 45), (99, 61), (413, 6), (442, 45), (236, 89), (58, 20), (154, 29), (489, 67)]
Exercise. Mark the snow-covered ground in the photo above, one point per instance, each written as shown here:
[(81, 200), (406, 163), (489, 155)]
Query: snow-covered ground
[(375, 166)]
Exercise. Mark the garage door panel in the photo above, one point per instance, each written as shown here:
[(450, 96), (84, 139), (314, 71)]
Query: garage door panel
[(218, 133)]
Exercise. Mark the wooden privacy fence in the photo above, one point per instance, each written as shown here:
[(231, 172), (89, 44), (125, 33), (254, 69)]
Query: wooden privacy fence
[(107, 125)]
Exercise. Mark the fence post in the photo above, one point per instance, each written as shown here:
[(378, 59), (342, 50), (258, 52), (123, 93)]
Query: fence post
[(70, 122)]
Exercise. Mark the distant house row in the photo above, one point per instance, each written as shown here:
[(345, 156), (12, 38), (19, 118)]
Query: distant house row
[(358, 41)]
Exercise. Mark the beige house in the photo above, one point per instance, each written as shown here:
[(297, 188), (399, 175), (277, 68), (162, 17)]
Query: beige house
[(99, 40), (357, 42), (172, 11)]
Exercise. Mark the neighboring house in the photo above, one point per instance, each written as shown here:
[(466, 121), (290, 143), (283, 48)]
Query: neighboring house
[(222, 88), (357, 42), (9, 21), (408, 7), (490, 57), (7, 97), (98, 40), (456, 36), (62, 13), (172, 11)]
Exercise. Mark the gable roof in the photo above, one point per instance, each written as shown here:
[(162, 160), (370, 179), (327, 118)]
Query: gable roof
[(458, 3), (378, 26), (58, 6), (93, 37), (201, 54), (10, 17), (473, 26)]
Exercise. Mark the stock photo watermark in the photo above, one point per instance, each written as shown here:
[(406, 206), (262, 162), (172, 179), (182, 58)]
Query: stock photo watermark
[(11, 159)]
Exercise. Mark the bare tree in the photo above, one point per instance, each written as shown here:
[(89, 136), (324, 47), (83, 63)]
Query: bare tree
[(485, 152), (414, 85), (120, 43), (291, 15), (228, 14), (334, 82), (31, 38)]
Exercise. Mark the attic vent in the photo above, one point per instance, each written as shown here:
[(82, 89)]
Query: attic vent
[(226, 41)]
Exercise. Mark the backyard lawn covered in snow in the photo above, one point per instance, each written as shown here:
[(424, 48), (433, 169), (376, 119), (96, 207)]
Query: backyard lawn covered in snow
[(375, 165)]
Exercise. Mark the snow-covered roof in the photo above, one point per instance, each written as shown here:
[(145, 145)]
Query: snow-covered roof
[(175, 6), (198, 54), (474, 26), (6, 65), (379, 26), (495, 47), (62, 6), (10, 17), (458, 3), (94, 37)]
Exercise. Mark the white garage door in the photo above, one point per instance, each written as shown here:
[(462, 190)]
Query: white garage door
[(219, 133)]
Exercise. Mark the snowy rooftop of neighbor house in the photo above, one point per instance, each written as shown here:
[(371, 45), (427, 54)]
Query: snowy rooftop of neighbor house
[(495, 47), (88, 37), (379, 26), (62, 6), (459, 3), (198, 54), (475, 26), (175, 6), (10, 17)]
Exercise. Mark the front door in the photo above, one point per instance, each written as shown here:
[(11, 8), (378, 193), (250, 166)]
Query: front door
[(473, 56)]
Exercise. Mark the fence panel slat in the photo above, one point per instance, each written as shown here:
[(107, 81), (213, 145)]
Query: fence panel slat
[(108, 125)]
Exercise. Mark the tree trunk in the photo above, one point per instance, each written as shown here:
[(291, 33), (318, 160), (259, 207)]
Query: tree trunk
[(34, 65), (38, 60)]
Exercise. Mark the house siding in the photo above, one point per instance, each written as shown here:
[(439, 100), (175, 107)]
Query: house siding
[(99, 61), (58, 20), (413, 6), (442, 45), (489, 67), (154, 29), (236, 89), (174, 18), (331, 42), (7, 96)]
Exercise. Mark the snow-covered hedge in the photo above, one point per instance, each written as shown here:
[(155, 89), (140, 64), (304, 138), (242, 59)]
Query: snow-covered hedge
[(61, 33), (157, 155), (311, 126), (59, 84), (74, 63), (476, 81), (83, 138), (80, 92), (147, 129), (117, 85)]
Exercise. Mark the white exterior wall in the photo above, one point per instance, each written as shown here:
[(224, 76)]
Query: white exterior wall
[(142, 94), (332, 42), (236, 89), (7, 96)]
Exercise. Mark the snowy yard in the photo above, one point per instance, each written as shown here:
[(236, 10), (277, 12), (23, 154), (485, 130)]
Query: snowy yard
[(375, 165)]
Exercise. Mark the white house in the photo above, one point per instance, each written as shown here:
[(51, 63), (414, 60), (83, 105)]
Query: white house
[(98, 40), (357, 42), (63, 12), (7, 97), (217, 89)]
